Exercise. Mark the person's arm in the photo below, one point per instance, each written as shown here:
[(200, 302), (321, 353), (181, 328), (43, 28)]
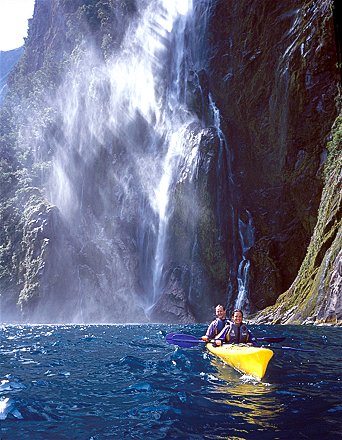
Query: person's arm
[(251, 338), (210, 333), (221, 337)]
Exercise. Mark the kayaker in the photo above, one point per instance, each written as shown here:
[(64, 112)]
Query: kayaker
[(235, 332), (216, 326)]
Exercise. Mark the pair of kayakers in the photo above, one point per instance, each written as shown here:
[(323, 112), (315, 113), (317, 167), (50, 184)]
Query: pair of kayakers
[(222, 330)]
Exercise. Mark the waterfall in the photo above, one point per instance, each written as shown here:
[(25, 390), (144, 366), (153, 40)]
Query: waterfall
[(123, 143), (226, 190), (242, 232), (246, 235), (170, 167), (189, 57)]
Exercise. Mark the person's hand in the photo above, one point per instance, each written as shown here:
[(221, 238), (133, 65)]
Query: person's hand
[(217, 342), (205, 338)]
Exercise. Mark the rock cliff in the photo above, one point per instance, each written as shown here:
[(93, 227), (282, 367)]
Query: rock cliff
[(8, 60), (285, 54), (83, 252)]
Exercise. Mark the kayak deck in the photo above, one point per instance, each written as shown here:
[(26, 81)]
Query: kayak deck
[(244, 358)]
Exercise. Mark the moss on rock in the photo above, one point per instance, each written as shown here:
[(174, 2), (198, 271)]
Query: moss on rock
[(315, 295)]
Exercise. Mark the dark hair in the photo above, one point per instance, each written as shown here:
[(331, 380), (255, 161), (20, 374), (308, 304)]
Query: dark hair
[(220, 305), (237, 310)]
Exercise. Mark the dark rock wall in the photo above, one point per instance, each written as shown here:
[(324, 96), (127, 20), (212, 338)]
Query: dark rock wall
[(315, 295), (275, 78), (198, 254)]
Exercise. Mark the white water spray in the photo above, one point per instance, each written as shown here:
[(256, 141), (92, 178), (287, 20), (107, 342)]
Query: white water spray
[(134, 113)]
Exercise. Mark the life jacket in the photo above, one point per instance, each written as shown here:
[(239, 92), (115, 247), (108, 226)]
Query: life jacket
[(219, 325), (234, 336)]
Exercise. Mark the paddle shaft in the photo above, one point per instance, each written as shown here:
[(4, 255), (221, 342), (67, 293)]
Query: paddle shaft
[(181, 337), (294, 349), (188, 341)]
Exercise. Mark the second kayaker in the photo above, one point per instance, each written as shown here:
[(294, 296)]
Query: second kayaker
[(217, 325), (235, 332)]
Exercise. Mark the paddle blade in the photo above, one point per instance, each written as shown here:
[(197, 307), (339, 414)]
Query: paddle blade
[(181, 340), (169, 337)]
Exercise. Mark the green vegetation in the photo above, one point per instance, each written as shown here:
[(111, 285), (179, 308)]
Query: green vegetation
[(275, 89), (311, 296)]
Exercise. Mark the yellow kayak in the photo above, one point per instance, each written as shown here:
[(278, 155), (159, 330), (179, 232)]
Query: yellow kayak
[(244, 358)]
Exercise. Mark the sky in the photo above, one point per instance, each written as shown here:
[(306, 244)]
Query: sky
[(13, 22)]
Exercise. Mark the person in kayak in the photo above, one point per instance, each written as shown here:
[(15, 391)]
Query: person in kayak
[(235, 332), (216, 326)]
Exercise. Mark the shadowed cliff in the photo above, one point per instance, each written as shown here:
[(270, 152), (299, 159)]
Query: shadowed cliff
[(280, 80)]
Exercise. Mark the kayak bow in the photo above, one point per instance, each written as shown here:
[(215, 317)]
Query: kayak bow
[(244, 358)]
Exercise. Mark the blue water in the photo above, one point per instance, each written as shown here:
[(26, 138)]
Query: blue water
[(125, 382)]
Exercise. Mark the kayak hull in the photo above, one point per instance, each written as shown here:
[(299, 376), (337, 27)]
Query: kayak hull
[(246, 359)]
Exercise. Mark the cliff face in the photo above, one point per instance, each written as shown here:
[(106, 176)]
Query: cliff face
[(315, 294), (53, 268), (83, 251), (8, 60), (276, 79)]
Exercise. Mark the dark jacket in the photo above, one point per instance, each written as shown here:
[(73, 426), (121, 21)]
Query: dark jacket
[(232, 334), (216, 327)]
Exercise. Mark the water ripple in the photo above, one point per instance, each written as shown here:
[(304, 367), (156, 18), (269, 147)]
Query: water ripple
[(83, 382)]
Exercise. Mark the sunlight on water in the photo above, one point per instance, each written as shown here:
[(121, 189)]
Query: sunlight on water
[(92, 377)]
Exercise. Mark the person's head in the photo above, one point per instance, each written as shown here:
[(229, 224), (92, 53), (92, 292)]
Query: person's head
[(220, 311), (237, 316)]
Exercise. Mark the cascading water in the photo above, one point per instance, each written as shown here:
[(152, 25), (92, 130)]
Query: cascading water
[(172, 160), (189, 57), (123, 142), (225, 160), (121, 197), (241, 232), (246, 234)]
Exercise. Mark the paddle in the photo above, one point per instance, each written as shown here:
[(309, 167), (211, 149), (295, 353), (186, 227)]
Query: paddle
[(183, 340), (268, 339), (190, 341), (294, 349)]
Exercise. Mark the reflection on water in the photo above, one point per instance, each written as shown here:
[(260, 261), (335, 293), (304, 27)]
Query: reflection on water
[(127, 382), (247, 398)]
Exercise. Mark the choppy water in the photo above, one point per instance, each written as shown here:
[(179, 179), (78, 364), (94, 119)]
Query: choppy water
[(98, 382)]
